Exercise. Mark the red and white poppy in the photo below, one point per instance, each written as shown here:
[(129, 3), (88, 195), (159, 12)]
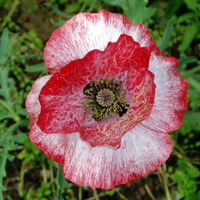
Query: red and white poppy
[(112, 97)]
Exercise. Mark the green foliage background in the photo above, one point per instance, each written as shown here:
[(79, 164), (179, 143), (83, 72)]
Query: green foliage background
[(26, 173)]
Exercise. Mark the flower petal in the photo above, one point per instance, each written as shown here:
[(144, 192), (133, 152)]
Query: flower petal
[(50, 145), (86, 32), (104, 167), (141, 151), (99, 160), (61, 105), (141, 89), (62, 96), (32, 103), (170, 96)]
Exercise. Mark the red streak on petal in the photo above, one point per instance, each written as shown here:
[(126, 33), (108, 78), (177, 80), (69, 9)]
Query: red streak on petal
[(61, 97)]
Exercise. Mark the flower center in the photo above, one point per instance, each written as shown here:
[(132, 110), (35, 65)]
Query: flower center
[(104, 98)]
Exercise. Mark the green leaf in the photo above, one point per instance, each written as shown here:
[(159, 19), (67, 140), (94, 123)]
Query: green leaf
[(193, 119), (190, 186), (190, 33), (73, 7), (2, 188), (187, 60), (22, 111), (163, 43), (23, 57), (193, 172), (194, 82), (4, 46), (174, 194), (36, 68), (185, 128), (61, 183), (10, 157), (185, 17), (20, 138), (91, 5), (59, 23), (5, 114), (9, 108), (135, 10), (193, 196), (191, 4), (2, 92), (59, 12)]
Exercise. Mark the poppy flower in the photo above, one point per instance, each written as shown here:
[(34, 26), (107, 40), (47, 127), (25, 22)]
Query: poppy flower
[(112, 98)]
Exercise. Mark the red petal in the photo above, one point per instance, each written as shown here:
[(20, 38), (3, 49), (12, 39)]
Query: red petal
[(170, 96), (140, 96), (104, 167), (62, 97), (50, 145), (32, 103), (61, 105), (141, 151), (86, 32), (143, 148)]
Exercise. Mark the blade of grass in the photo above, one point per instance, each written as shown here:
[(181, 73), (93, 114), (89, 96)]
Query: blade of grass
[(4, 46), (61, 182), (168, 196), (56, 10), (163, 43), (9, 15)]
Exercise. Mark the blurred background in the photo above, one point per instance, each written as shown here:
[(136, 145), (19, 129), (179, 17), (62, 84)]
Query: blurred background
[(25, 26)]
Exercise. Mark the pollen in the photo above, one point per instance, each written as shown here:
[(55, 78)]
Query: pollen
[(105, 98)]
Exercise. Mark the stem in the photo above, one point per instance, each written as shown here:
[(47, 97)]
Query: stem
[(122, 196), (194, 83), (52, 180), (59, 192), (83, 6), (9, 15), (44, 173), (14, 115), (92, 6), (95, 193), (21, 57), (4, 82), (191, 71), (165, 183), (179, 151), (149, 192), (21, 187), (80, 193)]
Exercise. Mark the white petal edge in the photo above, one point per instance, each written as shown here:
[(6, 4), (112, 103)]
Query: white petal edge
[(170, 95), (104, 167), (141, 151), (86, 32), (32, 102)]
